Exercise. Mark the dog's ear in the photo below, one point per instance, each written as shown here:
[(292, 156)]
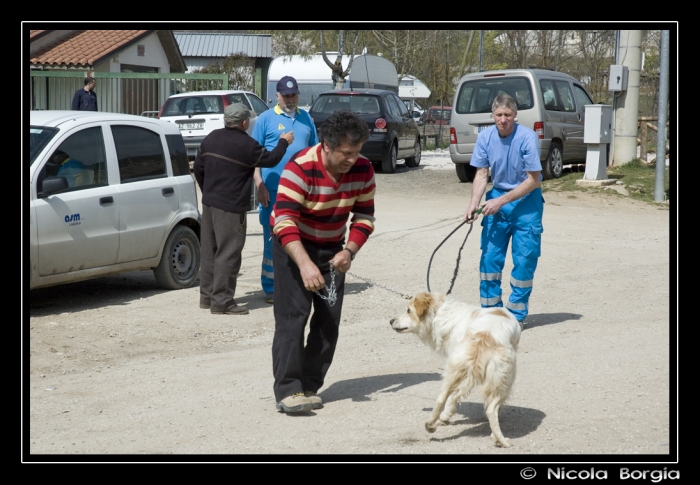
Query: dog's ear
[(422, 302)]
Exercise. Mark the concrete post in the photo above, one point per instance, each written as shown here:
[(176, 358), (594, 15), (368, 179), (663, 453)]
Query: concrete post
[(659, 192), (627, 103)]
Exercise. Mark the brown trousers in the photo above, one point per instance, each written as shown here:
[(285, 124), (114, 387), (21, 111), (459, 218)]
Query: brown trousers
[(222, 241)]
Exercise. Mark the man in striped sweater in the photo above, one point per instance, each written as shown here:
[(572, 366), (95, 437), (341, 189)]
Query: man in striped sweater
[(320, 187)]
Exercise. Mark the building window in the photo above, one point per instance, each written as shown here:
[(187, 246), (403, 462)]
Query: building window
[(140, 50)]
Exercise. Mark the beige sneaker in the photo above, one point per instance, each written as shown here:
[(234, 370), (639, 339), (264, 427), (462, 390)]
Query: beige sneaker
[(315, 399), (295, 403)]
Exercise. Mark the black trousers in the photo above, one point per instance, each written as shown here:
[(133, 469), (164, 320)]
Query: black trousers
[(295, 366), (223, 237)]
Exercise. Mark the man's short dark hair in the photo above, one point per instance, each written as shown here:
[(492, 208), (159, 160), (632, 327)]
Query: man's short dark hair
[(343, 126), (88, 80)]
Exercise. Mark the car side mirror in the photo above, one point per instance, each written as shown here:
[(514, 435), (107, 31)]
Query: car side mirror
[(51, 185)]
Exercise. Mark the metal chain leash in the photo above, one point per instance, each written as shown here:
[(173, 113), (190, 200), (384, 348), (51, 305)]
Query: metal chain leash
[(402, 295), (332, 293)]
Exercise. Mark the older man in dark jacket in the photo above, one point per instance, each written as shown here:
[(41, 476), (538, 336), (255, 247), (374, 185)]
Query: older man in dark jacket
[(224, 169)]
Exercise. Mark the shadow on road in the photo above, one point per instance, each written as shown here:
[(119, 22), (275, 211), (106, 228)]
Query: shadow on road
[(540, 319), (361, 388), (515, 421), (95, 293)]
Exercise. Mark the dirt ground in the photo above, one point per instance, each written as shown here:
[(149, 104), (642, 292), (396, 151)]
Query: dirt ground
[(115, 366)]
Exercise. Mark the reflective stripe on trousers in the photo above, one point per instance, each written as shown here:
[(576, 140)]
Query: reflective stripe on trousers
[(521, 222), (267, 273)]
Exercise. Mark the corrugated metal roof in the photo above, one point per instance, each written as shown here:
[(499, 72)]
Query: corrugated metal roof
[(223, 45)]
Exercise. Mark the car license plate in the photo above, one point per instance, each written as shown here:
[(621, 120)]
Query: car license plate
[(482, 128), (191, 126)]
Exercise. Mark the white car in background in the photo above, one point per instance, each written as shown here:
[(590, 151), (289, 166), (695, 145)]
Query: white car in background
[(198, 113), (110, 193)]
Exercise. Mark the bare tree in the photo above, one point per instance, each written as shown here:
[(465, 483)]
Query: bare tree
[(239, 69), (588, 59), (465, 58), (403, 47), (338, 74)]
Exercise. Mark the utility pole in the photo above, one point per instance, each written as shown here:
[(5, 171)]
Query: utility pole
[(661, 130), (627, 103)]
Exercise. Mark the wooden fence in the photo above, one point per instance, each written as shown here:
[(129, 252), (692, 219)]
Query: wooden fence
[(643, 129)]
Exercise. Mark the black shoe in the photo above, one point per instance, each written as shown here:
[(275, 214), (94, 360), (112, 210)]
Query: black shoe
[(233, 310)]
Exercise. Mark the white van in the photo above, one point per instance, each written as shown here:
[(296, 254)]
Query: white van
[(109, 193), (314, 76), (549, 102)]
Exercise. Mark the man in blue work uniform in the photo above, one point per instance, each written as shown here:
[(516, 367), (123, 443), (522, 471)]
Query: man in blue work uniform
[(285, 116), (513, 207), (85, 99)]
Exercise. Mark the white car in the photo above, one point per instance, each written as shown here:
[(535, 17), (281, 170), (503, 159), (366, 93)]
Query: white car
[(110, 193), (199, 113)]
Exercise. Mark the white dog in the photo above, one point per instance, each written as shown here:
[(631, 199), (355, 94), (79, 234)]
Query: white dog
[(480, 345)]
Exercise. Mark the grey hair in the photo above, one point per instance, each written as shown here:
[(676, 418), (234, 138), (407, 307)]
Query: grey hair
[(230, 124), (504, 101)]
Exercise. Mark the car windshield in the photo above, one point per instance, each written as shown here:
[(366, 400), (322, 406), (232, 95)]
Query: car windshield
[(39, 136), (477, 96)]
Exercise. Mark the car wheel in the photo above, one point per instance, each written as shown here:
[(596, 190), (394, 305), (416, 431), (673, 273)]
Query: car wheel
[(555, 162), (414, 161), (465, 172), (179, 263), (389, 163)]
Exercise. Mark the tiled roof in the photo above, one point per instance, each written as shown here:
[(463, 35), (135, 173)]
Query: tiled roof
[(85, 48), (34, 33)]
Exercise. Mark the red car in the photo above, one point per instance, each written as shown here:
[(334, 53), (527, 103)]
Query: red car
[(436, 116)]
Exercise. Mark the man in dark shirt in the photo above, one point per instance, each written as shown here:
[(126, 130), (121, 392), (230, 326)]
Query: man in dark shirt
[(85, 99), (223, 169)]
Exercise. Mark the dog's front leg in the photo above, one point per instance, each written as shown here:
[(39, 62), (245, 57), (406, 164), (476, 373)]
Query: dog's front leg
[(449, 387)]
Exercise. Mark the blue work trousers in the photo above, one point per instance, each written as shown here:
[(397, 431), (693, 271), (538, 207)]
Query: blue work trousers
[(267, 275), (521, 222)]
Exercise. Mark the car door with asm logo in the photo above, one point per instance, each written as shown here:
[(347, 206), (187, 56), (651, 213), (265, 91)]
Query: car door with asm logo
[(77, 228)]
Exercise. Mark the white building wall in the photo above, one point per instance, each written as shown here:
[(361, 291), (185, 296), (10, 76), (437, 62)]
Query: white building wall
[(154, 56)]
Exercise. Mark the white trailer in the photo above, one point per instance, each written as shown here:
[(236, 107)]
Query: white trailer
[(314, 76)]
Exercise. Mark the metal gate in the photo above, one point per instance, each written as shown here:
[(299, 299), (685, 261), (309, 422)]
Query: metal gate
[(117, 92)]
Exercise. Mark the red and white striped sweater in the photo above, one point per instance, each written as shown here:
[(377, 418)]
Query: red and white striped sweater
[(311, 207)]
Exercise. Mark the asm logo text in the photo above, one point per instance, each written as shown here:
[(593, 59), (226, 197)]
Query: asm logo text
[(72, 219)]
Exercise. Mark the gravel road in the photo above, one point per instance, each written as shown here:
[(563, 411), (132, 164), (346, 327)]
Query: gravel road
[(115, 369)]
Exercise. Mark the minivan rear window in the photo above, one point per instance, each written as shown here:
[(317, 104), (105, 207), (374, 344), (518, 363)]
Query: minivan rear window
[(476, 96), (194, 104), (360, 104)]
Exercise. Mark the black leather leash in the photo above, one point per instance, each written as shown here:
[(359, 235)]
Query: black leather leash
[(459, 255)]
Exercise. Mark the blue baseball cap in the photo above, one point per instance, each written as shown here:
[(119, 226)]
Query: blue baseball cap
[(287, 85)]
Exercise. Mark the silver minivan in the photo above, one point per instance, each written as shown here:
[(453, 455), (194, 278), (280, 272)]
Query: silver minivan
[(551, 103)]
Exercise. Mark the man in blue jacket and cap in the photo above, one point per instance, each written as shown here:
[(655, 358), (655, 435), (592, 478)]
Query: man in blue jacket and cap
[(285, 116)]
